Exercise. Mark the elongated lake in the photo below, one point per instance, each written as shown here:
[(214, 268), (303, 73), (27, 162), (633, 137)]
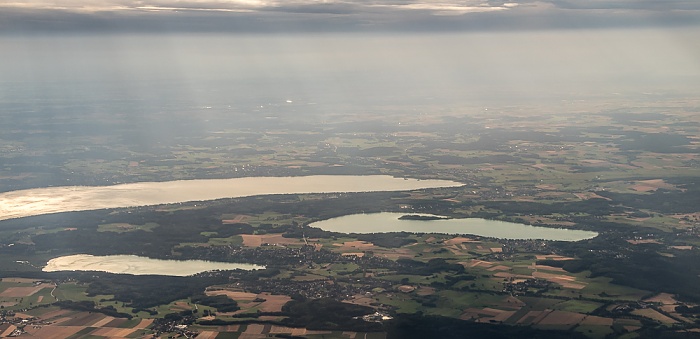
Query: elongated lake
[(136, 265), (390, 222), (24, 203)]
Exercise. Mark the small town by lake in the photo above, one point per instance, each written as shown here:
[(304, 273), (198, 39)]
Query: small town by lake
[(131, 264), (25, 203), (392, 222)]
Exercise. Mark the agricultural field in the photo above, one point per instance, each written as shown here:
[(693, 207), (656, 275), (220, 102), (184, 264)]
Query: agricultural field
[(53, 322), (25, 293), (631, 175)]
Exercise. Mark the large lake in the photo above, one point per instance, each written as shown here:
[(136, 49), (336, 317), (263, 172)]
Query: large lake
[(131, 264), (390, 222), (24, 203)]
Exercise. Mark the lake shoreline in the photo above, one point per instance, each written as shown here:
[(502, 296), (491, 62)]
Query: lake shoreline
[(136, 265), (387, 222), (25, 203)]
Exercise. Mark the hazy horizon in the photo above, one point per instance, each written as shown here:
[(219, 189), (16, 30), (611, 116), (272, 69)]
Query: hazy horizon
[(350, 68), (361, 53)]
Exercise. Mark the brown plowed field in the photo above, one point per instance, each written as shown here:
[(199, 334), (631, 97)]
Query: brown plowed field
[(598, 321), (254, 329), (562, 318), (207, 335), (116, 322), (18, 292), (229, 328), (459, 240), (53, 332), (664, 298), (111, 332), (653, 314), (103, 322), (273, 303), (49, 316), (144, 323), (251, 336), (84, 319)]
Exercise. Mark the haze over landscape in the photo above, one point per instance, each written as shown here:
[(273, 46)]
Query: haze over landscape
[(228, 131)]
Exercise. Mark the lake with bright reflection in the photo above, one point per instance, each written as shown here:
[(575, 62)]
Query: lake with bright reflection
[(131, 264), (24, 203), (389, 222)]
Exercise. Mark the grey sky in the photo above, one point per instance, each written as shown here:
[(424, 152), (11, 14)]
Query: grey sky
[(524, 48), (339, 15)]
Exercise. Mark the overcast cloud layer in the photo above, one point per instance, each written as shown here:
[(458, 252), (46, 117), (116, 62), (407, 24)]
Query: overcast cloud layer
[(339, 15)]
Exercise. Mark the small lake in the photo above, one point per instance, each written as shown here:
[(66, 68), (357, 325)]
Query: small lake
[(24, 203), (131, 264), (389, 222)]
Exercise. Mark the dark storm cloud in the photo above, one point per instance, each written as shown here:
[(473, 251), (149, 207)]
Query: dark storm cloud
[(331, 15)]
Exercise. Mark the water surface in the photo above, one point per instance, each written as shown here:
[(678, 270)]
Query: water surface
[(24, 203), (389, 222), (131, 264)]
